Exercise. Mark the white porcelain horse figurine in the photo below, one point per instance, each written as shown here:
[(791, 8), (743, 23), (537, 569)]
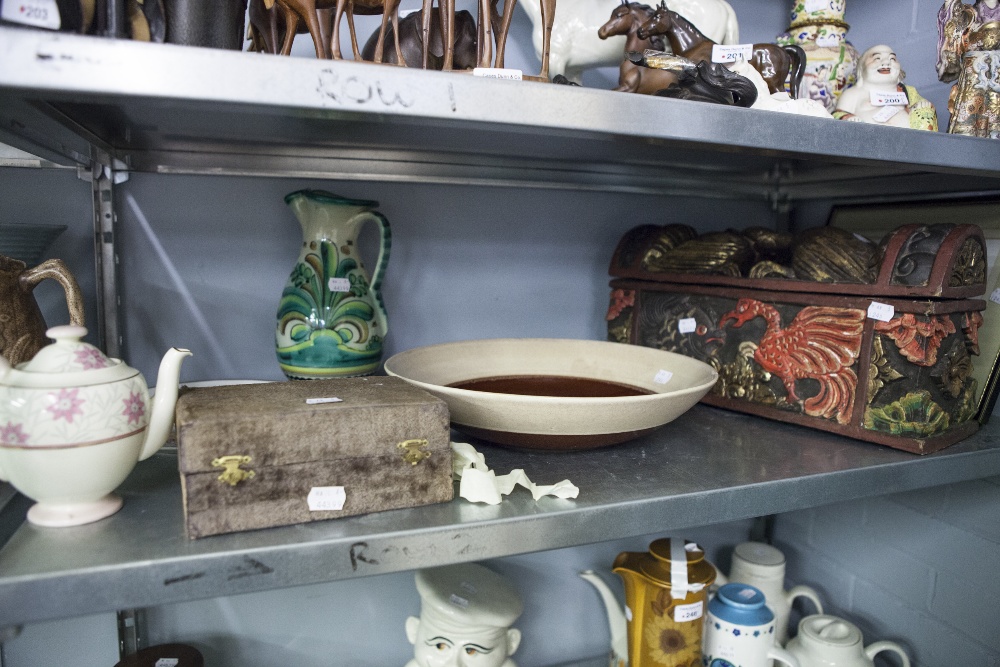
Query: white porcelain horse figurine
[(575, 45)]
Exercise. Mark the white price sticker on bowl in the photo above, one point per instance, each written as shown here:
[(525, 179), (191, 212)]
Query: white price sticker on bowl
[(687, 325), (326, 498), (731, 53), (662, 377), (882, 312)]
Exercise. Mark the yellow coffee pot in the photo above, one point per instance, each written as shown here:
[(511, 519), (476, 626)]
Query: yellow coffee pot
[(666, 593)]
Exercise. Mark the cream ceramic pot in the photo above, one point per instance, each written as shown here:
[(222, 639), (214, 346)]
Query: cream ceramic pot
[(763, 566), (828, 641), (73, 424)]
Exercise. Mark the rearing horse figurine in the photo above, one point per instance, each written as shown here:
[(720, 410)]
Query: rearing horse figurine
[(772, 61)]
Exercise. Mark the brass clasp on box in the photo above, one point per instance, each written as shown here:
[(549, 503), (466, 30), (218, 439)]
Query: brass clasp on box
[(233, 474), (414, 451)]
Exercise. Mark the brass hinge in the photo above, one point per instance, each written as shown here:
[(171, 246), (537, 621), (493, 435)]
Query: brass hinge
[(233, 474)]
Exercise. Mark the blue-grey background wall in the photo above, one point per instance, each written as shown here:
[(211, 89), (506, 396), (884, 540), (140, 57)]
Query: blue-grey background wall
[(204, 260)]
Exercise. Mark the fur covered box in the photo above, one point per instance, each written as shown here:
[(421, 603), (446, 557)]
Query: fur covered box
[(261, 455), (875, 341)]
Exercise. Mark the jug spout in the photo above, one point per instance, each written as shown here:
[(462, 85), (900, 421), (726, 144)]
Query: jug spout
[(616, 617), (162, 415)]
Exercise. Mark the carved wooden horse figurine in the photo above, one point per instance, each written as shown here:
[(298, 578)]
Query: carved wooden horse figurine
[(308, 11), (548, 8), (626, 19), (267, 27), (412, 42), (772, 61)]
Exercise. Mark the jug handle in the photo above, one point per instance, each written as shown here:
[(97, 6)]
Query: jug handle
[(805, 592), (58, 271), (878, 647), (385, 243)]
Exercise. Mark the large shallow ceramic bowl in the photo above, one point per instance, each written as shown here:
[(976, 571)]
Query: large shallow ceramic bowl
[(663, 385)]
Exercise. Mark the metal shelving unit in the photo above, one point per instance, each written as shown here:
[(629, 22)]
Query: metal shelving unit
[(107, 106)]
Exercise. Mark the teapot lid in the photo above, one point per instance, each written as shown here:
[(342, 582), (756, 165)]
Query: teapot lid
[(830, 631), (68, 362)]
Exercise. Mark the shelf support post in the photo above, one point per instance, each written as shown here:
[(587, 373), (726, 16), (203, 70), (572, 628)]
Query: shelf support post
[(106, 257), (132, 635)]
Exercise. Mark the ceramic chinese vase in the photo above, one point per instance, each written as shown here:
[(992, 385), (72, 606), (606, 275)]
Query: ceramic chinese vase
[(331, 319), (818, 26)]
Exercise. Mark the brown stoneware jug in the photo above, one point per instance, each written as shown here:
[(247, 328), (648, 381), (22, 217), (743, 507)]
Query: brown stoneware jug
[(22, 327)]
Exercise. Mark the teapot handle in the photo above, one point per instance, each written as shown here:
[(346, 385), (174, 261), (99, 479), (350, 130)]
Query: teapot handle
[(58, 271), (878, 647), (385, 243), (805, 592)]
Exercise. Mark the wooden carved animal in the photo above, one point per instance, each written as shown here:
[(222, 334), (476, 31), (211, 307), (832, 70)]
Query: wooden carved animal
[(626, 19), (772, 61), (266, 29), (308, 11), (544, 20), (411, 41), (575, 46), (821, 344)]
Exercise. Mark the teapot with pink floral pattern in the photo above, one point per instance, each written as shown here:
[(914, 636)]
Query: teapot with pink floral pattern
[(73, 424)]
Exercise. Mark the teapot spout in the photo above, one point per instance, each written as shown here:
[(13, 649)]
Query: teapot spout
[(616, 616), (162, 417)]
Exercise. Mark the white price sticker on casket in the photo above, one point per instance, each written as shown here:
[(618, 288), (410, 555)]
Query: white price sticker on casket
[(662, 377), (687, 325), (881, 99), (326, 498), (37, 13), (882, 312), (731, 53), (339, 285), (498, 73)]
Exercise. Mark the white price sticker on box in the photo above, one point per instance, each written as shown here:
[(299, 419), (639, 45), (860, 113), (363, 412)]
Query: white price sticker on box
[(882, 312), (498, 73), (662, 377), (684, 613), (339, 285), (326, 498), (879, 99), (687, 325), (731, 53), (36, 13)]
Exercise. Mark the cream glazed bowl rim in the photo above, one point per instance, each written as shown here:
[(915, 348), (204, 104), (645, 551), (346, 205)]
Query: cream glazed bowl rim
[(433, 367)]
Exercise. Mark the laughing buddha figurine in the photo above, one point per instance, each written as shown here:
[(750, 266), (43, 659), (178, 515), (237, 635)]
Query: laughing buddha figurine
[(466, 611), (880, 97)]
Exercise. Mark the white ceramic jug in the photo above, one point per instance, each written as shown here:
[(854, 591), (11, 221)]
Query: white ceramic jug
[(763, 566), (828, 641)]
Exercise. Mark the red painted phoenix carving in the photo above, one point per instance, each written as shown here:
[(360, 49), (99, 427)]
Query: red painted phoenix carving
[(821, 343)]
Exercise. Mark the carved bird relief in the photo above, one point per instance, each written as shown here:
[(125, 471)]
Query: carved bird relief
[(821, 343)]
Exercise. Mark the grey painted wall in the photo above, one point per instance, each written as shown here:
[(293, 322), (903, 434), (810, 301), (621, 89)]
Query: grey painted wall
[(203, 263)]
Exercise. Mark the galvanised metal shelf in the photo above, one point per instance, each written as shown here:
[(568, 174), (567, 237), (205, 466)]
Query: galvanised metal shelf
[(709, 466), (175, 109)]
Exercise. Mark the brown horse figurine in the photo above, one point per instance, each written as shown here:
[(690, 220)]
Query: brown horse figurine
[(412, 42), (626, 19), (548, 8), (309, 12), (772, 61)]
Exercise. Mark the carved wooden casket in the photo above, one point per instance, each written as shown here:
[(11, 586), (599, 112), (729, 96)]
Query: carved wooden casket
[(261, 455), (827, 329)]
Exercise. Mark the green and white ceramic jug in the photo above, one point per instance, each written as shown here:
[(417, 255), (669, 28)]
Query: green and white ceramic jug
[(331, 320)]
